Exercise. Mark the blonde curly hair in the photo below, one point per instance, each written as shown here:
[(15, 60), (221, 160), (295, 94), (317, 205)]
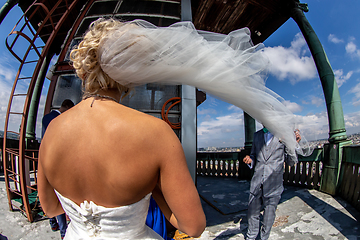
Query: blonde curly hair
[(84, 58)]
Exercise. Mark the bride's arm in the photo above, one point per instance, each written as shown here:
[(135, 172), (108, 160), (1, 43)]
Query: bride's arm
[(165, 209), (48, 199), (176, 193)]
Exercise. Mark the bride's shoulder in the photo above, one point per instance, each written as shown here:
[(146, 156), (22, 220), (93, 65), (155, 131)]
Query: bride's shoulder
[(141, 122), (142, 117)]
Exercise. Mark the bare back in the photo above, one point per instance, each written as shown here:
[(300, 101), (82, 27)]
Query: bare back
[(106, 153), (114, 156)]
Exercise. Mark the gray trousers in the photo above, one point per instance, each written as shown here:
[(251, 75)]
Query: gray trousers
[(254, 209)]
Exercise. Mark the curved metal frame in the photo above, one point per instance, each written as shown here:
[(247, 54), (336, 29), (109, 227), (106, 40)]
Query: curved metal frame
[(32, 83)]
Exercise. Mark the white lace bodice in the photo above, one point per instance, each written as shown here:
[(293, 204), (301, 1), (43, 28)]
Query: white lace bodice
[(90, 221)]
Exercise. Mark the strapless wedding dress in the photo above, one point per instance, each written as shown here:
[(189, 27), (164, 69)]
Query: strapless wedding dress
[(90, 221)]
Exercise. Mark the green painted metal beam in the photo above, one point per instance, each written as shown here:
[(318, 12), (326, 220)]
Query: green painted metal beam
[(351, 154), (250, 128), (337, 131), (5, 9), (35, 100)]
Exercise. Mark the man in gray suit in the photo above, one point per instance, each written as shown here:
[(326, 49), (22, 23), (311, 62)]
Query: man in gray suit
[(267, 158)]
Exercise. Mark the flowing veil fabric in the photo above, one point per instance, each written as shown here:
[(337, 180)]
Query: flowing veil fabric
[(229, 67)]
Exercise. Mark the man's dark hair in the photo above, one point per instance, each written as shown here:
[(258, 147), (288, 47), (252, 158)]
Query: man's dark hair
[(67, 103)]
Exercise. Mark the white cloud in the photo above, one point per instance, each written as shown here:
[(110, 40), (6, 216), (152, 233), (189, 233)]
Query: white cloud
[(314, 100), (313, 126), (292, 106), (222, 131), (206, 111), (7, 76), (356, 102), (332, 38), (234, 108), (352, 122), (292, 63), (356, 90), (4, 98), (15, 120), (340, 77), (303, 101), (317, 101), (352, 49), (220, 124), (228, 130), (316, 126)]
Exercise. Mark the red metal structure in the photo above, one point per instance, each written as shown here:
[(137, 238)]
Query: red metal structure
[(18, 161)]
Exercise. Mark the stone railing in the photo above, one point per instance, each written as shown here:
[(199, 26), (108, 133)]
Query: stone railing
[(306, 173)]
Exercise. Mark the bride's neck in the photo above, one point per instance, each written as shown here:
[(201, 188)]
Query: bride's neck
[(113, 93)]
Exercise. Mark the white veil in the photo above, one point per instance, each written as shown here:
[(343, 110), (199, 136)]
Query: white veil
[(229, 67)]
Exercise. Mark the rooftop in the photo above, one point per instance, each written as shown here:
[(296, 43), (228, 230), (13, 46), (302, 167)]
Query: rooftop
[(301, 214)]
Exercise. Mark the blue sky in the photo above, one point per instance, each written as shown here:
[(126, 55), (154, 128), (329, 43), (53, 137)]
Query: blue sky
[(292, 75)]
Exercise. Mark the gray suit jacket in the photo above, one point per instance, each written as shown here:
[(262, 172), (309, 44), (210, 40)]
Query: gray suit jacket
[(268, 166)]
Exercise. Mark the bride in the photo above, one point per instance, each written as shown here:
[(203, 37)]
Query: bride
[(101, 161)]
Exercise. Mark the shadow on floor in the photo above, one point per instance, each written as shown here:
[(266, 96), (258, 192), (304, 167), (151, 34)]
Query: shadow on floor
[(329, 207), (225, 200)]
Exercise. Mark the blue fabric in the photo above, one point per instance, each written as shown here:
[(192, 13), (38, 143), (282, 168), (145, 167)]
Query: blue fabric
[(62, 224), (268, 136), (60, 221), (156, 219), (47, 119), (53, 222)]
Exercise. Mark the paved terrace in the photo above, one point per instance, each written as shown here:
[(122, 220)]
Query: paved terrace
[(301, 214)]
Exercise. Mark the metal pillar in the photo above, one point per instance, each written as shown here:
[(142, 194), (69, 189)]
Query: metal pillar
[(188, 109), (5, 9), (333, 102), (337, 132), (35, 99), (250, 128)]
